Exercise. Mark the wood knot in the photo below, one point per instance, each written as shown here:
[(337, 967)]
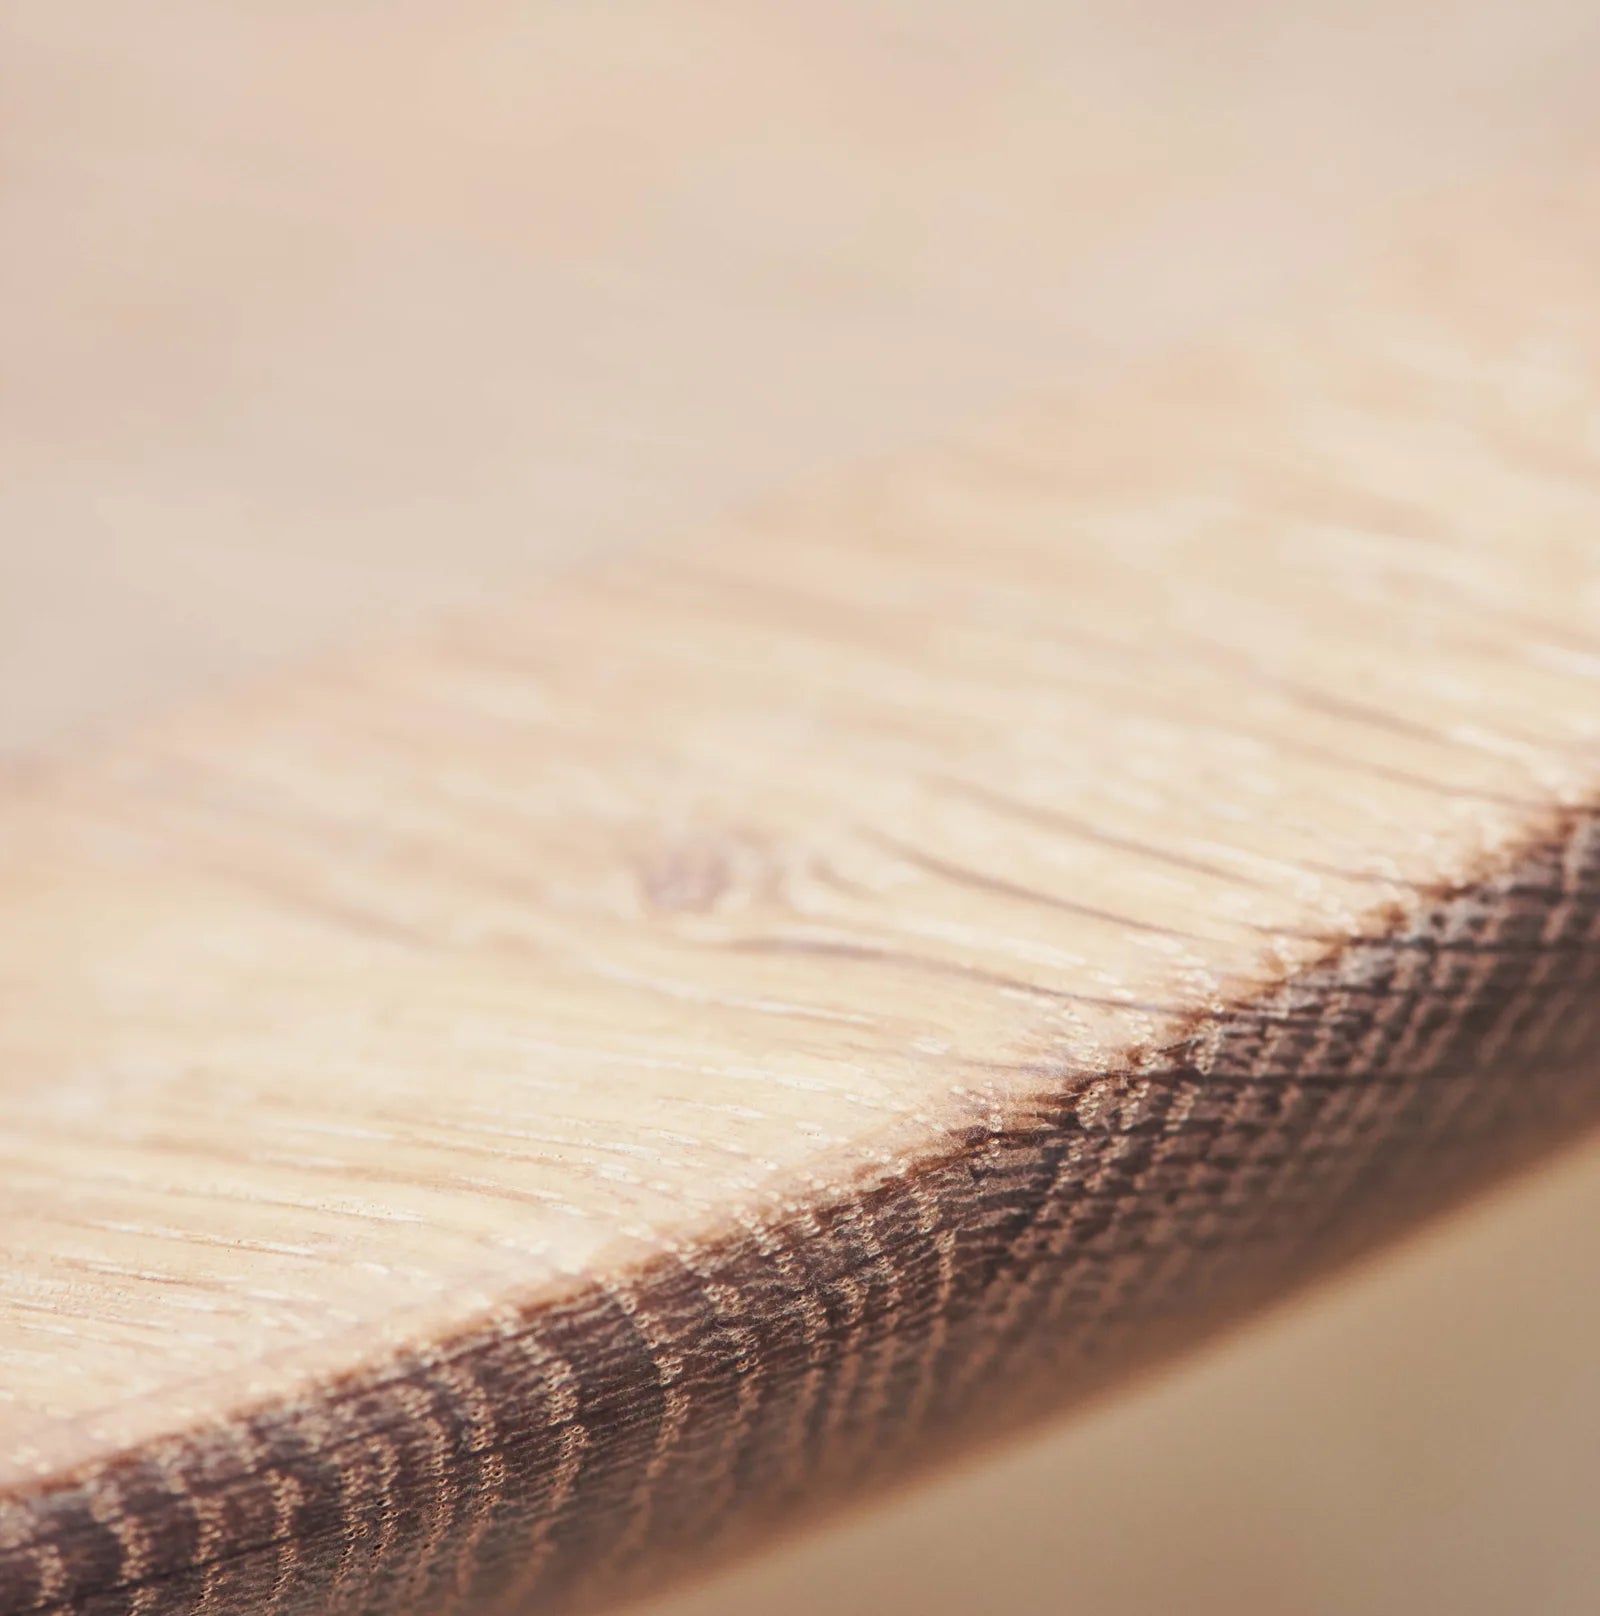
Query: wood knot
[(690, 875)]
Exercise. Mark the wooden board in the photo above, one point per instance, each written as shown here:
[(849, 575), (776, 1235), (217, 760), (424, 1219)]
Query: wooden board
[(801, 996), (316, 320)]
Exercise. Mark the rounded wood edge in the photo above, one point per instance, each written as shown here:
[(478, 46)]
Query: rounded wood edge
[(596, 1443)]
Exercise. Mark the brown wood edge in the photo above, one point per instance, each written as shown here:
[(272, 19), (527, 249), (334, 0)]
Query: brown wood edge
[(580, 1447)]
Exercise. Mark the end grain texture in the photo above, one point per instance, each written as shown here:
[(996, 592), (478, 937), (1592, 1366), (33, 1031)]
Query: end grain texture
[(516, 1111)]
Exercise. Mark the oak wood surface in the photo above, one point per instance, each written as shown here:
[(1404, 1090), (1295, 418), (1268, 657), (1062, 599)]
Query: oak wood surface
[(318, 320), (712, 890)]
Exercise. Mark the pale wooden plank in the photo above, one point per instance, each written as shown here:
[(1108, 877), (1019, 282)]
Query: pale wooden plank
[(329, 903), (1015, 791)]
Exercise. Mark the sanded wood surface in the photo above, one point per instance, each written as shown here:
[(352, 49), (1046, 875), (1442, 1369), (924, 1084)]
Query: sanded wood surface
[(506, 1112), (489, 1114), (320, 318)]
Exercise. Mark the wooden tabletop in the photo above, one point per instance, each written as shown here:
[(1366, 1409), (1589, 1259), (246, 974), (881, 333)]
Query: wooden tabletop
[(998, 683)]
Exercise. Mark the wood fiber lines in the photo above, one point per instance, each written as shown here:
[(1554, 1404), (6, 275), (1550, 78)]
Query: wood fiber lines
[(508, 1114), (583, 1446)]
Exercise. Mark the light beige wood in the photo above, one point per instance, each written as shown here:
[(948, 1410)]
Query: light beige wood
[(336, 1012), (319, 319), (711, 847)]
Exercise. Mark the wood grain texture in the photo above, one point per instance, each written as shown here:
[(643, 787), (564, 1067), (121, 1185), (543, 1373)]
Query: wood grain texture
[(316, 318), (522, 1108)]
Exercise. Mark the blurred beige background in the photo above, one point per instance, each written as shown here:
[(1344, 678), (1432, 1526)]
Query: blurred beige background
[(318, 317)]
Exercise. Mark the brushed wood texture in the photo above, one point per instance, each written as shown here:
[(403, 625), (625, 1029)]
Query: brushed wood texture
[(505, 1113)]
